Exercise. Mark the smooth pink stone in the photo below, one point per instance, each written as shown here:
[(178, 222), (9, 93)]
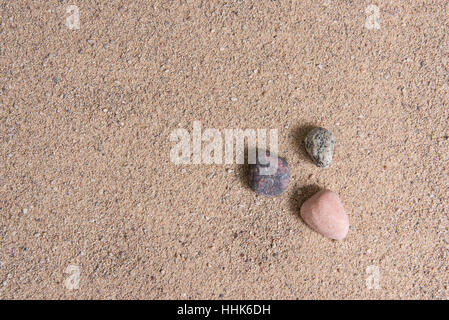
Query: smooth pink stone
[(325, 214)]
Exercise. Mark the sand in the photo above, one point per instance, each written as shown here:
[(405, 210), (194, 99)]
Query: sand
[(88, 191)]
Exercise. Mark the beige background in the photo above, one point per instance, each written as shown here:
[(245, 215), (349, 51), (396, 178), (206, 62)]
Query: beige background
[(85, 119)]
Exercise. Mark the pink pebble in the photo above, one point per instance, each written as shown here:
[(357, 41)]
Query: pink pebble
[(325, 214)]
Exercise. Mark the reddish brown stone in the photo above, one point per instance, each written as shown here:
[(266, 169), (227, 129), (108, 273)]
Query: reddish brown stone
[(265, 182)]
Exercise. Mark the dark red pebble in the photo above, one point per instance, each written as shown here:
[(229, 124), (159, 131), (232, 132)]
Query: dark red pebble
[(272, 184)]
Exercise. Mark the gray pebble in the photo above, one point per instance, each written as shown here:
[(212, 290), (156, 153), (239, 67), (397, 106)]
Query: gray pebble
[(320, 146)]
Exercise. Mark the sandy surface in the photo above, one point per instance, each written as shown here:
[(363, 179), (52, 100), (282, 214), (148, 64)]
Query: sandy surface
[(86, 178)]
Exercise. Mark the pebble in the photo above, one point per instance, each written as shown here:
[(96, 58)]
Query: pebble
[(324, 213), (320, 146), (268, 183)]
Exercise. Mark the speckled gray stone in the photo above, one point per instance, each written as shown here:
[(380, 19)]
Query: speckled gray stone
[(320, 146)]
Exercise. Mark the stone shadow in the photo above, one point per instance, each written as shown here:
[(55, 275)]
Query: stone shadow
[(299, 134), (300, 195)]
